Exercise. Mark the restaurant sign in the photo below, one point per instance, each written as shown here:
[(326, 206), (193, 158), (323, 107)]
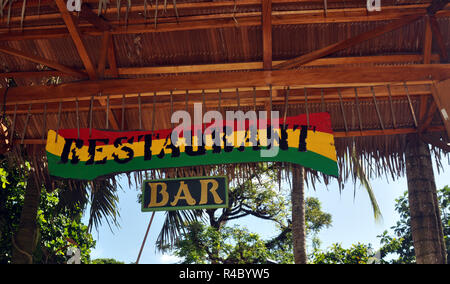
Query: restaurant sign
[(86, 154)]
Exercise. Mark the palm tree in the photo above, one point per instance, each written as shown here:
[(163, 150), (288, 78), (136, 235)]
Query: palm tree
[(426, 224), (298, 214), (101, 194)]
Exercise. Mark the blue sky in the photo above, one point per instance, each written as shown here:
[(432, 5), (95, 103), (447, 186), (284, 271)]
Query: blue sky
[(351, 212)]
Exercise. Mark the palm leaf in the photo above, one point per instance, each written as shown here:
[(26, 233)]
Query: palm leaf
[(104, 201), (174, 225), (361, 175)]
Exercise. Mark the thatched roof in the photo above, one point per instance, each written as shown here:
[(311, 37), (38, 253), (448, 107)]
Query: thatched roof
[(212, 39)]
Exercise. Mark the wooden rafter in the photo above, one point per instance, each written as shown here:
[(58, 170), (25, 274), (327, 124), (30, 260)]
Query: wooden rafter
[(112, 58), (309, 78), (297, 61), (267, 33), (439, 39), (40, 60), (76, 37), (115, 72), (337, 134), (228, 98), (103, 54), (441, 91), (98, 22), (222, 21), (428, 40)]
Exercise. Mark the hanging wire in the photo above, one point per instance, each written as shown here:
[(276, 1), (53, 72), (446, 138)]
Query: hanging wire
[(394, 123), (13, 126), (91, 106), (122, 126), (171, 105), (376, 107), (306, 107), (154, 112), (322, 100), (107, 112), (220, 100), (410, 105), (26, 124), (342, 110), (358, 109), (78, 117), (286, 106), (203, 101), (186, 99), (270, 94), (44, 125), (238, 98), (58, 120), (140, 111), (254, 98)]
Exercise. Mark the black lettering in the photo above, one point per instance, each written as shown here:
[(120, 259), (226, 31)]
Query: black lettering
[(227, 132), (92, 149), (200, 148), (216, 148), (284, 137), (302, 139), (175, 150), (130, 152), (66, 150), (272, 136), (147, 147)]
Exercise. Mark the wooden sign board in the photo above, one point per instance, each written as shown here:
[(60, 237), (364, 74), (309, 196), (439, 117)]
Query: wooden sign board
[(185, 193), (86, 154)]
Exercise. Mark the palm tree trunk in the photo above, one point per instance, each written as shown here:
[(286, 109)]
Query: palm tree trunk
[(24, 241), (298, 214), (426, 224)]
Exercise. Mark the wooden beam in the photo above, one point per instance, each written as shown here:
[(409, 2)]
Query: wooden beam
[(112, 58), (426, 121), (337, 134), (439, 39), (297, 61), (103, 54), (40, 60), (98, 22), (332, 61), (76, 37), (428, 40), (228, 98), (267, 33), (441, 96), (196, 22), (309, 78)]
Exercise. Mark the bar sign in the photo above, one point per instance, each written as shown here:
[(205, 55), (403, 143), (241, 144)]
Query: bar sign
[(185, 193)]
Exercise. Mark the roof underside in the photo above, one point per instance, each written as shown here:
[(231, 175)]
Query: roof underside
[(225, 36)]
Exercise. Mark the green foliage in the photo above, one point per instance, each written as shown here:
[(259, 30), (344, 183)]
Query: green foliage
[(210, 240), (399, 247), (106, 261), (356, 254), (56, 224), (230, 245), (395, 249)]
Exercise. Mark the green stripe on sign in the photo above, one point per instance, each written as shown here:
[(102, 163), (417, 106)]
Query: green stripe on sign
[(89, 172)]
